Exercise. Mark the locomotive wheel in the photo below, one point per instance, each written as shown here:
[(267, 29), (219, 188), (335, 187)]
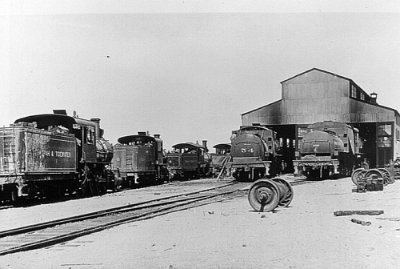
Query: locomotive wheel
[(357, 175), (288, 194), (375, 173), (386, 176), (264, 196)]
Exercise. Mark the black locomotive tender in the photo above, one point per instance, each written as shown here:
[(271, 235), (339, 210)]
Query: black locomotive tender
[(139, 160), (50, 154)]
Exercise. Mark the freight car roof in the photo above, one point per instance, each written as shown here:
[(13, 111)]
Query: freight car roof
[(132, 138)]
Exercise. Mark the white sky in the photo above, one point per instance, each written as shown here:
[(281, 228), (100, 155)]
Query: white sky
[(185, 69)]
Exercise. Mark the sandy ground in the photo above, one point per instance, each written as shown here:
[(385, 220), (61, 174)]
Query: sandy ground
[(22, 216), (231, 235)]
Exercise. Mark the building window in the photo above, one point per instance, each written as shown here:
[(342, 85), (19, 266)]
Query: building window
[(384, 136), (385, 130), (353, 91), (362, 96)]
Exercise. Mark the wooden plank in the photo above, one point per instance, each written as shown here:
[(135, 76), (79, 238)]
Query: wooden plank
[(358, 212)]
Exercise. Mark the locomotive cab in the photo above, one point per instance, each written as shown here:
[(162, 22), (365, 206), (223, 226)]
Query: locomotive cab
[(83, 130), (188, 160)]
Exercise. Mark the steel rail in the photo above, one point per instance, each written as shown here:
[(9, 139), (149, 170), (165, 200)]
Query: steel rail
[(99, 213), (53, 232), (110, 220)]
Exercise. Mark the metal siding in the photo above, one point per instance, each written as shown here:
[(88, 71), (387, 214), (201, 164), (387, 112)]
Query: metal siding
[(49, 152), (119, 159), (143, 158), (317, 96), (364, 112), (12, 152)]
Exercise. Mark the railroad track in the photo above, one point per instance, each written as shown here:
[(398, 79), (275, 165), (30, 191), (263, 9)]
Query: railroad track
[(53, 232)]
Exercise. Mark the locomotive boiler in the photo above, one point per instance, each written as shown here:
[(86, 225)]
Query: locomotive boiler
[(188, 160), (139, 159), (48, 155), (328, 149), (254, 153)]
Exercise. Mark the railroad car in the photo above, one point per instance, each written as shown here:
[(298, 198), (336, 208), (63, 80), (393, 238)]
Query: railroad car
[(188, 160), (220, 158), (139, 159), (328, 149), (254, 153), (46, 155)]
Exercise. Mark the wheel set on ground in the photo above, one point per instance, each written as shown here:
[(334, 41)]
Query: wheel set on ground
[(372, 179), (361, 175), (267, 194)]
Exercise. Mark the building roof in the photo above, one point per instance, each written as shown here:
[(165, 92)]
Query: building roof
[(330, 73)]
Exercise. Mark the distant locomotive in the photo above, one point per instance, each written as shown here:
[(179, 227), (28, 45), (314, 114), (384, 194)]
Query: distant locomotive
[(188, 160), (220, 158), (50, 154), (139, 160), (254, 153), (328, 149)]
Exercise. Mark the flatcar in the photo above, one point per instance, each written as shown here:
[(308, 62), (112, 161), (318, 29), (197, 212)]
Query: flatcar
[(188, 160), (254, 153), (220, 158), (48, 155), (139, 160), (328, 149)]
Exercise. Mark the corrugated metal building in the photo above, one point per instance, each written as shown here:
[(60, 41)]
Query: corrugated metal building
[(317, 95)]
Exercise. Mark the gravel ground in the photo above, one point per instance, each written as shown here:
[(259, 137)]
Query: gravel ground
[(231, 235)]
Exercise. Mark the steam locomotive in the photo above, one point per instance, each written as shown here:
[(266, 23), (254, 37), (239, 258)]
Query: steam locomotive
[(328, 149), (220, 158), (188, 160), (254, 153), (139, 160), (48, 155)]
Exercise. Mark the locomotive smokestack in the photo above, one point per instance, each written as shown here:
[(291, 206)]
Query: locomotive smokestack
[(97, 122), (205, 143)]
